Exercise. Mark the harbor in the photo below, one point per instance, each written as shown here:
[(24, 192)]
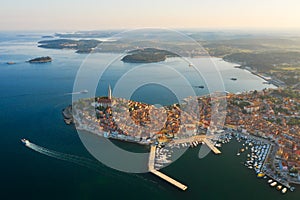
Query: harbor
[(186, 142), (258, 150)]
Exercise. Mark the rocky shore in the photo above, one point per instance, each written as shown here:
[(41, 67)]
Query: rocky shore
[(67, 114)]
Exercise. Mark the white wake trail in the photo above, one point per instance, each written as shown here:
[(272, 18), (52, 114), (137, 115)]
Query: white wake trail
[(89, 163), (92, 164)]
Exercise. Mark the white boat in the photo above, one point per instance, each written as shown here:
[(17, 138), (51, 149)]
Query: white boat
[(284, 190), (84, 91), (26, 142), (218, 145), (273, 184), (270, 181), (279, 187)]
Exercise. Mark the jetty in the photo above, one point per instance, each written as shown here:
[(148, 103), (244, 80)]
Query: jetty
[(211, 146), (198, 138), (161, 175), (169, 179)]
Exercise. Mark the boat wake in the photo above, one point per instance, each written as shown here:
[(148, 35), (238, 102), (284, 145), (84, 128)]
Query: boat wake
[(89, 163), (75, 93)]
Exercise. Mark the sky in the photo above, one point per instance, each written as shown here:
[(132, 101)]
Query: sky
[(124, 14)]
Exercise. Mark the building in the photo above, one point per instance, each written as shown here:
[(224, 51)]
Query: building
[(104, 101)]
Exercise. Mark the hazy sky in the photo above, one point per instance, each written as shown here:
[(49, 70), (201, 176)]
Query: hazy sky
[(115, 14)]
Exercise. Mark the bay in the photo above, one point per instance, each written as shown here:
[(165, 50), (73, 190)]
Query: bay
[(31, 100)]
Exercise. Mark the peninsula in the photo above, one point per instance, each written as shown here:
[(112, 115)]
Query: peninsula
[(268, 119), (81, 46)]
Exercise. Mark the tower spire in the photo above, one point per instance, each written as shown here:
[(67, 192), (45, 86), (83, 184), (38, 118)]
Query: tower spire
[(109, 92)]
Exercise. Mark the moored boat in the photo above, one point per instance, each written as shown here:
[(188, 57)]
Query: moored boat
[(284, 190), (273, 184), (270, 181), (260, 175), (279, 187)]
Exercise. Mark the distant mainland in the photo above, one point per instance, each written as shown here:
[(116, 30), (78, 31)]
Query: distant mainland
[(81, 46)]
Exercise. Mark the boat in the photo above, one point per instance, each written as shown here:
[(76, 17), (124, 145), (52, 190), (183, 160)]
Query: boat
[(284, 190), (199, 86), (24, 141), (292, 189), (270, 181), (279, 187), (273, 184), (84, 91), (260, 175), (10, 63), (238, 154), (218, 145)]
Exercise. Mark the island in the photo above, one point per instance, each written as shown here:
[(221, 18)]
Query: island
[(41, 60), (147, 55)]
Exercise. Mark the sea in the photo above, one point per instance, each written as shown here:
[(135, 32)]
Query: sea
[(32, 97)]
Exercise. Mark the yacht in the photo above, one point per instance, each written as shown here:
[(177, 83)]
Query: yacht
[(279, 187), (284, 190), (273, 184), (270, 181), (26, 142), (84, 91)]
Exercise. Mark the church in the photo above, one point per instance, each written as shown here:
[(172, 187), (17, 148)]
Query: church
[(104, 101)]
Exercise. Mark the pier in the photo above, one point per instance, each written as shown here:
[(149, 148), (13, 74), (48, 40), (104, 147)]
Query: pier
[(159, 174), (199, 138), (169, 179), (151, 158), (211, 146)]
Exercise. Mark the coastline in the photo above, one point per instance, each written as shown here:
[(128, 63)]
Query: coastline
[(269, 80)]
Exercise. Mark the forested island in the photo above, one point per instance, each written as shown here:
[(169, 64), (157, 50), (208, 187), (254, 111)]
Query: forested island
[(147, 55)]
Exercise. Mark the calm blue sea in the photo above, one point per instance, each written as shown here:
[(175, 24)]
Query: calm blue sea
[(31, 99)]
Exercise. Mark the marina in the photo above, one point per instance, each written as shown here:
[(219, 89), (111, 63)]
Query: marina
[(256, 160), (157, 160)]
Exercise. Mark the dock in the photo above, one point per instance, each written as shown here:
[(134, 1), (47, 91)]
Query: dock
[(169, 179), (199, 138), (159, 174), (151, 158), (211, 146)]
